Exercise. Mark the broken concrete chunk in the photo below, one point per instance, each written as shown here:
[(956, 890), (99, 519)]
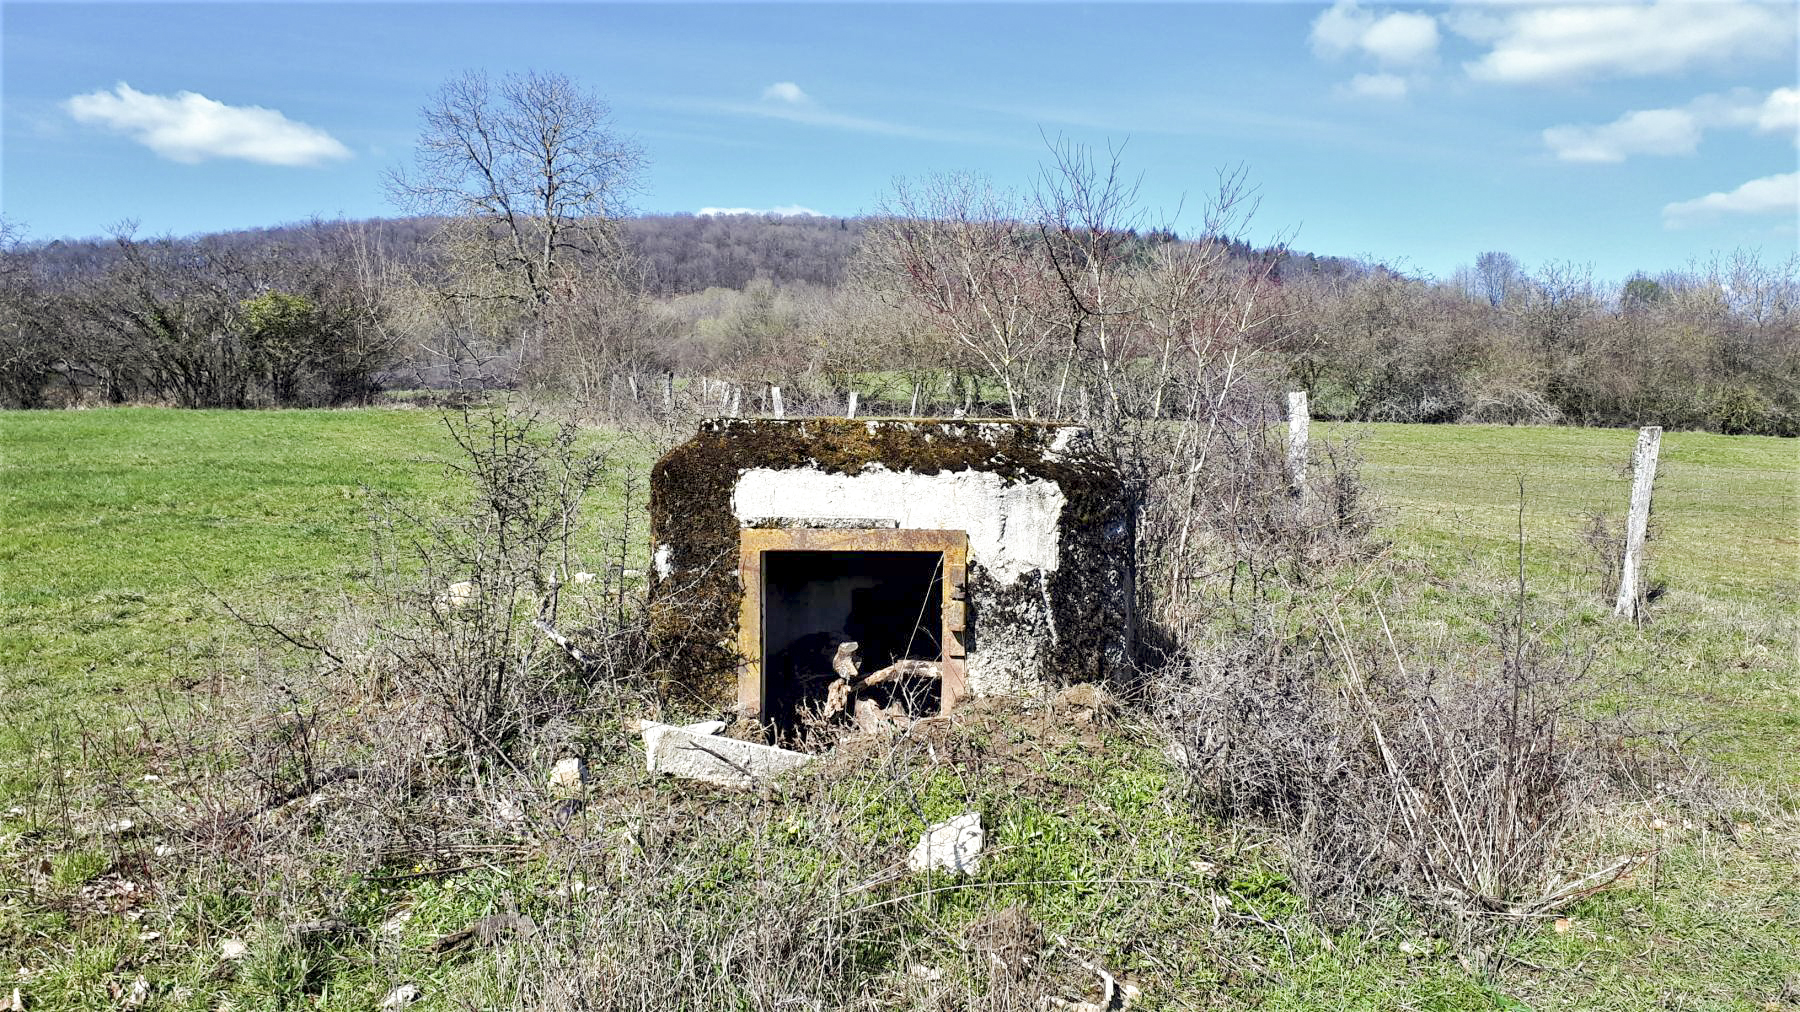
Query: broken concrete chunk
[(402, 996), (653, 732), (461, 596), (951, 846), (568, 777), (873, 719), (697, 753)]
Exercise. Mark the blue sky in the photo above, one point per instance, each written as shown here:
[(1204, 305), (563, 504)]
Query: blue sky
[(1628, 137)]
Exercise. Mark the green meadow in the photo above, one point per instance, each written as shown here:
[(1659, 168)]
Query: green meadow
[(122, 530)]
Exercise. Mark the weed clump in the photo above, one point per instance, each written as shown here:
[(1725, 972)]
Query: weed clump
[(1455, 782)]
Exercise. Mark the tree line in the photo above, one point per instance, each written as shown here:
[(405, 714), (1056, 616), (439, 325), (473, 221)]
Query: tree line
[(518, 264)]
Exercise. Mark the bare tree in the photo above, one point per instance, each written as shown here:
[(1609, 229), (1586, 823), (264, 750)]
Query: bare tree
[(1087, 220), (27, 362), (965, 252), (1497, 278), (531, 175), (531, 178)]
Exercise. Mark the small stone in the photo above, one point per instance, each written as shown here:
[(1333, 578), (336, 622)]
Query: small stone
[(583, 578), (1658, 825), (954, 845), (461, 596), (393, 926), (402, 996), (1411, 949), (568, 777), (151, 778), (149, 936), (123, 825), (509, 812), (1561, 925), (233, 948), (929, 974)]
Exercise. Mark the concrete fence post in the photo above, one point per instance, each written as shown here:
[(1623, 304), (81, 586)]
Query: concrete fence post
[(850, 412), (775, 402), (1299, 429), (1637, 524)]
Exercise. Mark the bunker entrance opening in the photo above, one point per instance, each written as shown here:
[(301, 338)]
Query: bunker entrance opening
[(888, 603), (862, 626)]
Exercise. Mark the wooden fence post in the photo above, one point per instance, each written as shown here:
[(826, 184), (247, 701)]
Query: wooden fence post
[(851, 411), (668, 391), (1299, 428), (1637, 524), (775, 402)]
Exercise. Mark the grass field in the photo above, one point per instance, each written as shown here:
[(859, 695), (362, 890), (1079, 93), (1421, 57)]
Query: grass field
[(117, 527), (1726, 510)]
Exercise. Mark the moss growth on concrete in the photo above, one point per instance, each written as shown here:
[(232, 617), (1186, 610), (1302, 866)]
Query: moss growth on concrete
[(695, 603)]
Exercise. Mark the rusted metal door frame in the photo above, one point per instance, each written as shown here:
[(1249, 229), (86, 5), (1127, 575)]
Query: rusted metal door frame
[(755, 542)]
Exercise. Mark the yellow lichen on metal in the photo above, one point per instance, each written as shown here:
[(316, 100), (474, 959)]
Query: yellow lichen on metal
[(754, 543)]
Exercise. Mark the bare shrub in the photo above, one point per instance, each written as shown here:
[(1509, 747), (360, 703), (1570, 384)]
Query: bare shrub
[(418, 732), (470, 590), (1456, 789), (1224, 528)]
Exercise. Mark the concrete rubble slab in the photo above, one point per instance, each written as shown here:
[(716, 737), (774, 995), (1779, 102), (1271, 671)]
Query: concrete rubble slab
[(696, 752), (954, 846)]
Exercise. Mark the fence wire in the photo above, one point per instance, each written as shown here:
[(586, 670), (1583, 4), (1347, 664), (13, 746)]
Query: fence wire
[(1725, 513)]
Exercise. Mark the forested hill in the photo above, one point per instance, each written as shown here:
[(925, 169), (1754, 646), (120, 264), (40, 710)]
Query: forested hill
[(682, 252)]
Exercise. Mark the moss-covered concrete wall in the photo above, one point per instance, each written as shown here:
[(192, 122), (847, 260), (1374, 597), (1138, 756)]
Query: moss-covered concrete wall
[(1033, 617)]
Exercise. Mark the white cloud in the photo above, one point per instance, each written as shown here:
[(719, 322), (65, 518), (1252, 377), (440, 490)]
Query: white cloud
[(784, 100), (1647, 132), (1539, 45), (187, 127), (785, 210), (1381, 86), (786, 91), (1768, 195), (1394, 40), (1780, 113), (1677, 131), (1402, 39)]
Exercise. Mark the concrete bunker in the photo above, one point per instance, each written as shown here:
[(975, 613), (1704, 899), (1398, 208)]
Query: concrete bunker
[(909, 563)]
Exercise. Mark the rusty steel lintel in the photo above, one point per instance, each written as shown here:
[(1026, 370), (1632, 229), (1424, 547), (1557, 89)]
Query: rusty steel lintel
[(753, 543)]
